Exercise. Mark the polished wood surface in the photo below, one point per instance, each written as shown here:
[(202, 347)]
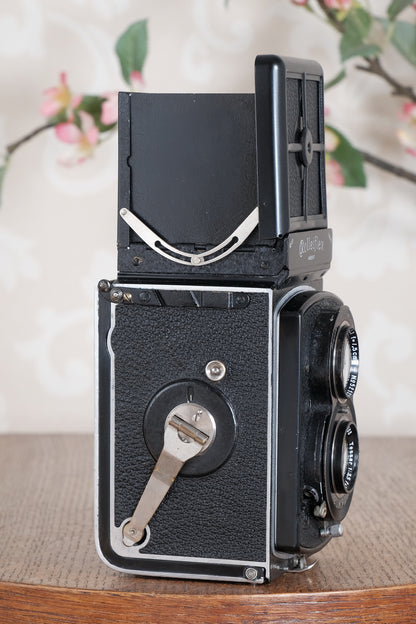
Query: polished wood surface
[(50, 572)]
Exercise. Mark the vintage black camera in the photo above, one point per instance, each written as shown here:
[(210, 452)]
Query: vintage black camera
[(227, 447)]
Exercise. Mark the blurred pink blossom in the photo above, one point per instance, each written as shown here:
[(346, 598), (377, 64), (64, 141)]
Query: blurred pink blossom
[(59, 99), (407, 134), (340, 5), (136, 80), (85, 139), (334, 173), (109, 108), (331, 140), (408, 139), (408, 112)]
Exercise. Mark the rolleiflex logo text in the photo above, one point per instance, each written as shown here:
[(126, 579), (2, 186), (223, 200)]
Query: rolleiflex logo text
[(310, 244)]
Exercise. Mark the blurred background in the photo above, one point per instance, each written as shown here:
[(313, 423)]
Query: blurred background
[(58, 224)]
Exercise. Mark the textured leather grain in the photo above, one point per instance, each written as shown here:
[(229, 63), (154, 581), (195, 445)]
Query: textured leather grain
[(219, 515)]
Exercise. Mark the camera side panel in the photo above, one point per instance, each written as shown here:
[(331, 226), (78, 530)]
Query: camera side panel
[(209, 520), (317, 455)]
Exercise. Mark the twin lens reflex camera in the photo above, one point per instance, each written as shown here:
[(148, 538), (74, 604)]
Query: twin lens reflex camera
[(227, 446)]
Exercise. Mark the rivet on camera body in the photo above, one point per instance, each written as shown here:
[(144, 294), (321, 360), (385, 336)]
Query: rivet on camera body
[(227, 444)]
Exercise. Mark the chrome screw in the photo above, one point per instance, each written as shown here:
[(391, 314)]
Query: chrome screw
[(215, 370), (104, 285), (321, 510), (116, 295), (333, 530), (250, 574)]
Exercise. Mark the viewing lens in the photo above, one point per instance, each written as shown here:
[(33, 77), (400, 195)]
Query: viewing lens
[(346, 362)]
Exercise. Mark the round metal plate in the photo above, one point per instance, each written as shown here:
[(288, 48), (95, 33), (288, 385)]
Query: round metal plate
[(210, 399)]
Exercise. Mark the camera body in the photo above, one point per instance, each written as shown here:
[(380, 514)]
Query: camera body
[(226, 443)]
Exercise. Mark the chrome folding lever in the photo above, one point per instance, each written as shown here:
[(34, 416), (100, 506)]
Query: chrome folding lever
[(182, 441), (232, 242)]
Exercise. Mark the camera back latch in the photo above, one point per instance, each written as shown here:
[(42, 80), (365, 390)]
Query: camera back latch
[(189, 431)]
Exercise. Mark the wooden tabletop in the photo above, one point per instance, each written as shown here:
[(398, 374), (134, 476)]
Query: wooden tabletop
[(50, 572)]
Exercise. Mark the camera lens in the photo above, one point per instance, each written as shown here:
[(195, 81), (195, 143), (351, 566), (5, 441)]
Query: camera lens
[(345, 361), (344, 457)]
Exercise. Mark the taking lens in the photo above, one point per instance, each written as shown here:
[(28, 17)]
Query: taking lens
[(345, 454)]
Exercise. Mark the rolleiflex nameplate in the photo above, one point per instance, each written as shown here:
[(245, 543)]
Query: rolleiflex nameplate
[(226, 443)]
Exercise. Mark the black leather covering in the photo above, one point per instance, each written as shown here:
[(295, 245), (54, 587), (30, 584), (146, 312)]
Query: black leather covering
[(224, 514)]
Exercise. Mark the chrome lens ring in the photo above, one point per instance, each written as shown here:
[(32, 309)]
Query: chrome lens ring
[(344, 457), (345, 361)]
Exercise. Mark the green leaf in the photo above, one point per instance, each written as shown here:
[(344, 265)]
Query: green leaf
[(402, 36), (92, 104), (340, 76), (131, 49), (404, 40), (354, 42), (350, 161), (58, 118), (357, 24), (396, 7), (349, 50)]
